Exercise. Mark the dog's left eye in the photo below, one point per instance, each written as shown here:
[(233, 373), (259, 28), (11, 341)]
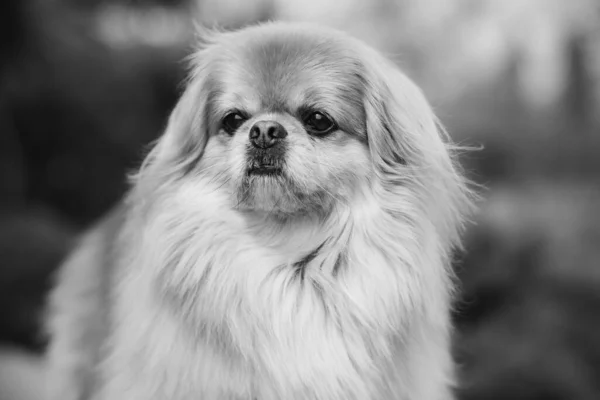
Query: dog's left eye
[(233, 121), (319, 123)]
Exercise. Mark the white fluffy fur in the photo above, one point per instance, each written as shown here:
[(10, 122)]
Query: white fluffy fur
[(185, 293)]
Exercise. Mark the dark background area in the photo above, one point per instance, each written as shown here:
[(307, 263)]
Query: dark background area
[(86, 85)]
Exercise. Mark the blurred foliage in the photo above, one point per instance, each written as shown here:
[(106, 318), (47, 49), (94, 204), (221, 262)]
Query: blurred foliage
[(86, 84)]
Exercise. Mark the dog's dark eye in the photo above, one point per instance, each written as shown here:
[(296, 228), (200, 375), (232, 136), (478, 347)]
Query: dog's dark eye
[(319, 123), (233, 121)]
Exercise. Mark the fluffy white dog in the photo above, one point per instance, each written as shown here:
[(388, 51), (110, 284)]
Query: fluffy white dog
[(288, 238)]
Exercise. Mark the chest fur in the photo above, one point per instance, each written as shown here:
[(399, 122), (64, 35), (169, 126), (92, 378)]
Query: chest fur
[(232, 317)]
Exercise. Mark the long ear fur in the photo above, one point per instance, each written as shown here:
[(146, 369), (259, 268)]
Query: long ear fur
[(182, 144), (411, 150)]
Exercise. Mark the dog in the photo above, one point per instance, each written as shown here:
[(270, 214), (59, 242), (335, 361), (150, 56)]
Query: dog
[(289, 236)]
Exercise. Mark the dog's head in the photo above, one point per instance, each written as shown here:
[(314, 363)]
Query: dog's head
[(286, 125), (294, 118)]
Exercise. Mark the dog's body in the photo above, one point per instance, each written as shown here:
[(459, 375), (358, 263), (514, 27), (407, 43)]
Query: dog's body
[(272, 252)]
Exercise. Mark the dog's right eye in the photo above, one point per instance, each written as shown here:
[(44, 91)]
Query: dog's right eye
[(233, 121)]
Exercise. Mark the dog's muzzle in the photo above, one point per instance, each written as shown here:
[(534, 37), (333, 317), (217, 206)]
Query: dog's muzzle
[(267, 148)]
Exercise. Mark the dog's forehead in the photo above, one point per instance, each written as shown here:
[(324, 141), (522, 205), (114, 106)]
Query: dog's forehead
[(284, 67)]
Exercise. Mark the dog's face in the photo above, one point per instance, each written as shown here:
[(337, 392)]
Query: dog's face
[(295, 118), (286, 128)]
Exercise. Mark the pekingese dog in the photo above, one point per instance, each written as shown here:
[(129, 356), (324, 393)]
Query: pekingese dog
[(289, 237)]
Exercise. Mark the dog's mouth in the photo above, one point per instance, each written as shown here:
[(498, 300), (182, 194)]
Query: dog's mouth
[(263, 163), (265, 170)]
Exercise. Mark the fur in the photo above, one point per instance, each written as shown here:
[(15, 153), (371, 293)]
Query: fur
[(331, 281)]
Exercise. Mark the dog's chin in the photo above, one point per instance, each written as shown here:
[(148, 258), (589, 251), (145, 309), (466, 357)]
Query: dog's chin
[(269, 189)]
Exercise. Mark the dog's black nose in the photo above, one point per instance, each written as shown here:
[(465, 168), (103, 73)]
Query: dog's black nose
[(264, 134)]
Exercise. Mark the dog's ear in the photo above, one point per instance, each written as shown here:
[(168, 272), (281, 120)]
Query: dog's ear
[(182, 144), (409, 147), (400, 122)]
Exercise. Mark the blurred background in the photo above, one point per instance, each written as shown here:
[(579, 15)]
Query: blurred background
[(86, 84)]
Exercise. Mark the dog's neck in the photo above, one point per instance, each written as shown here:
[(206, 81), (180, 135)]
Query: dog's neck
[(317, 238)]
